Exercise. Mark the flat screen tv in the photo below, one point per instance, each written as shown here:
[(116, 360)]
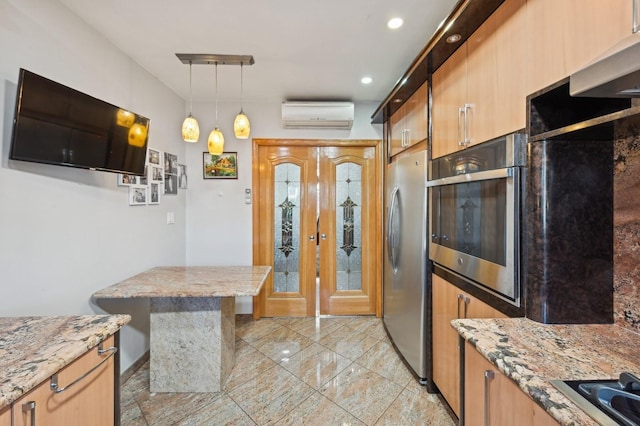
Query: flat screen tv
[(55, 124)]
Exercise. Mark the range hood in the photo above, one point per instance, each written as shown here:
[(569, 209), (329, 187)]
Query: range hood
[(616, 74)]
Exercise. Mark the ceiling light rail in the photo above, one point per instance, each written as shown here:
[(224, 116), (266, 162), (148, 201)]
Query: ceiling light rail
[(212, 59)]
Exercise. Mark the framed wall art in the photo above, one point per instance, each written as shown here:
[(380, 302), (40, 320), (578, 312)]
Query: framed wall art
[(137, 195), (223, 166)]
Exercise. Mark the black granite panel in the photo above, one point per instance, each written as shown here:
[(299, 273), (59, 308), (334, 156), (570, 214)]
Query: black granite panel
[(569, 232)]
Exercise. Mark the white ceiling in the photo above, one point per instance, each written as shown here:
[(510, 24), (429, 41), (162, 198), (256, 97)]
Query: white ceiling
[(303, 49)]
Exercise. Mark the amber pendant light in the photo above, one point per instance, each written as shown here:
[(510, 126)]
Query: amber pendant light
[(241, 125), (190, 127), (216, 138)]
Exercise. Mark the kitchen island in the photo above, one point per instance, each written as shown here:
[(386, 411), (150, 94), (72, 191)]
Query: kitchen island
[(35, 349), (192, 321), (532, 354)]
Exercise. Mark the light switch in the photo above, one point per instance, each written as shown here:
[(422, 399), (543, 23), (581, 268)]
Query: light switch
[(171, 218), (247, 195)]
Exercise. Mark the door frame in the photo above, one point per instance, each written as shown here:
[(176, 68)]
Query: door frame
[(257, 214)]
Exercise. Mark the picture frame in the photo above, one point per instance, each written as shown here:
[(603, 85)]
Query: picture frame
[(170, 164), (137, 195), (170, 184), (155, 174), (127, 180), (182, 176), (223, 166), (153, 197), (154, 157)]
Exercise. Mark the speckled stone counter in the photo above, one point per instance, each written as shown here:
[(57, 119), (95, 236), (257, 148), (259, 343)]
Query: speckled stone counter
[(192, 324), (34, 348), (532, 354)]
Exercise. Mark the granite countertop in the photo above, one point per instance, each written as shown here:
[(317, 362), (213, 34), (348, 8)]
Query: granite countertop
[(532, 354), (34, 348), (190, 281)]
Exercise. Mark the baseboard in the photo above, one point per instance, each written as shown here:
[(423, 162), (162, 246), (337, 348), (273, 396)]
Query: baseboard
[(126, 374)]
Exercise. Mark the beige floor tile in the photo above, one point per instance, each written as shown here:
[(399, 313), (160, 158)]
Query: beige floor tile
[(249, 363), (316, 328), (316, 365), (348, 342), (170, 408), (361, 392), (383, 359), (270, 396), (222, 411), (414, 409), (318, 410), (281, 344), (252, 331)]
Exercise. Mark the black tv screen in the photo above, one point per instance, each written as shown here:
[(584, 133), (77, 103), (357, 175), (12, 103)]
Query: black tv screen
[(55, 124)]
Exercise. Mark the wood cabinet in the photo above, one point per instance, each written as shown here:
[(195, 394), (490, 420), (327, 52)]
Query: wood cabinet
[(409, 124), (89, 401), (479, 92), (449, 303), (491, 398), (5, 416), (576, 33)]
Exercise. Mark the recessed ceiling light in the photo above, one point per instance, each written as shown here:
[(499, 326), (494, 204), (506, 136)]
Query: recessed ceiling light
[(366, 80), (394, 23), (454, 38)]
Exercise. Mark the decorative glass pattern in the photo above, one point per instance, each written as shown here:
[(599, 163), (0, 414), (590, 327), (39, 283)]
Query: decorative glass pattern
[(286, 270), (348, 226)]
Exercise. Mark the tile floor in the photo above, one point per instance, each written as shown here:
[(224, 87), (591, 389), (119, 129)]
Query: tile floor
[(297, 371)]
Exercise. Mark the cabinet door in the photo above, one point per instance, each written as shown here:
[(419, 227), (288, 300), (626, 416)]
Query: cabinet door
[(492, 398), (90, 401), (416, 116), (577, 32), (5, 416), (446, 354), (397, 124), (496, 67), (449, 95)]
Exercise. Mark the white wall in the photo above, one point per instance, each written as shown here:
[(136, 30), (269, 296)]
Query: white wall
[(218, 220), (65, 233)]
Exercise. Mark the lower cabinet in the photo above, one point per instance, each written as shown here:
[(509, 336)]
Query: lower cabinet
[(86, 393), (5, 416), (449, 303), (491, 398)]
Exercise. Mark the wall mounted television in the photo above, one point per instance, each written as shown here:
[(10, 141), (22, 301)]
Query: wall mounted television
[(55, 124)]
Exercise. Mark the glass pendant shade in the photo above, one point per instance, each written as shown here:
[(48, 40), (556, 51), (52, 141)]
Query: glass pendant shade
[(241, 126), (216, 142), (190, 129)]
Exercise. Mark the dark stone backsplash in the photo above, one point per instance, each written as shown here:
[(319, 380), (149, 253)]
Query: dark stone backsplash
[(626, 220)]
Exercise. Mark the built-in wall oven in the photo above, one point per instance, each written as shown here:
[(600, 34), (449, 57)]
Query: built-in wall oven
[(475, 196)]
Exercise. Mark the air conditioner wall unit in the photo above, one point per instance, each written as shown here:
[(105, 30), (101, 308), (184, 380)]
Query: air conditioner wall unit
[(317, 115)]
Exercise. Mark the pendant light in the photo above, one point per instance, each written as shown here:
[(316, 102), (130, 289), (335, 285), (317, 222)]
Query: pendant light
[(241, 125), (216, 138), (190, 127)]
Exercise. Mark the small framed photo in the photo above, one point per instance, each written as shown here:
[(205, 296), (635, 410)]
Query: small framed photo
[(182, 176), (154, 193), (142, 180), (223, 166), (171, 184), (127, 180), (170, 164), (137, 195), (155, 174), (154, 157)]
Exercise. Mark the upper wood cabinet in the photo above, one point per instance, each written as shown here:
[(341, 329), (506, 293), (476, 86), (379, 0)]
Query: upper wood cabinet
[(409, 123), (89, 401), (491, 398), (5, 416), (564, 36), (449, 303), (479, 92)]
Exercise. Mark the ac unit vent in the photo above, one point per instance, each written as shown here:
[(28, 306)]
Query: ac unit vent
[(317, 115)]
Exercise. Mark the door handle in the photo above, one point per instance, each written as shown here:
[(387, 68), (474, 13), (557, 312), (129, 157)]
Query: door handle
[(488, 377), (460, 297), (30, 407), (466, 305)]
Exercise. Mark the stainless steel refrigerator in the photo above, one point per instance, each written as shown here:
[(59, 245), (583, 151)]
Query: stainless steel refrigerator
[(406, 298)]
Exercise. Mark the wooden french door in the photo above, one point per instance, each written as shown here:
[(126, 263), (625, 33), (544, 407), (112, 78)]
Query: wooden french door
[(317, 215)]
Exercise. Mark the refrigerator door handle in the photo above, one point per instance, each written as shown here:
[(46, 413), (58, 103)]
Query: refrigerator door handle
[(390, 234)]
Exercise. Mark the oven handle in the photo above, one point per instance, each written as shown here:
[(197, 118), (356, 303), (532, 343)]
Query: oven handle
[(472, 177)]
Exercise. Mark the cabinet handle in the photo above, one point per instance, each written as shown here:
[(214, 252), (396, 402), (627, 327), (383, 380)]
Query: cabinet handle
[(466, 305), (635, 28), (461, 112), (30, 406), (54, 379), (488, 377), (407, 137), (466, 140), (460, 297)]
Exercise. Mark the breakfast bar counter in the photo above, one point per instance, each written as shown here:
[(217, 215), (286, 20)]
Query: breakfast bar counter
[(192, 321)]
